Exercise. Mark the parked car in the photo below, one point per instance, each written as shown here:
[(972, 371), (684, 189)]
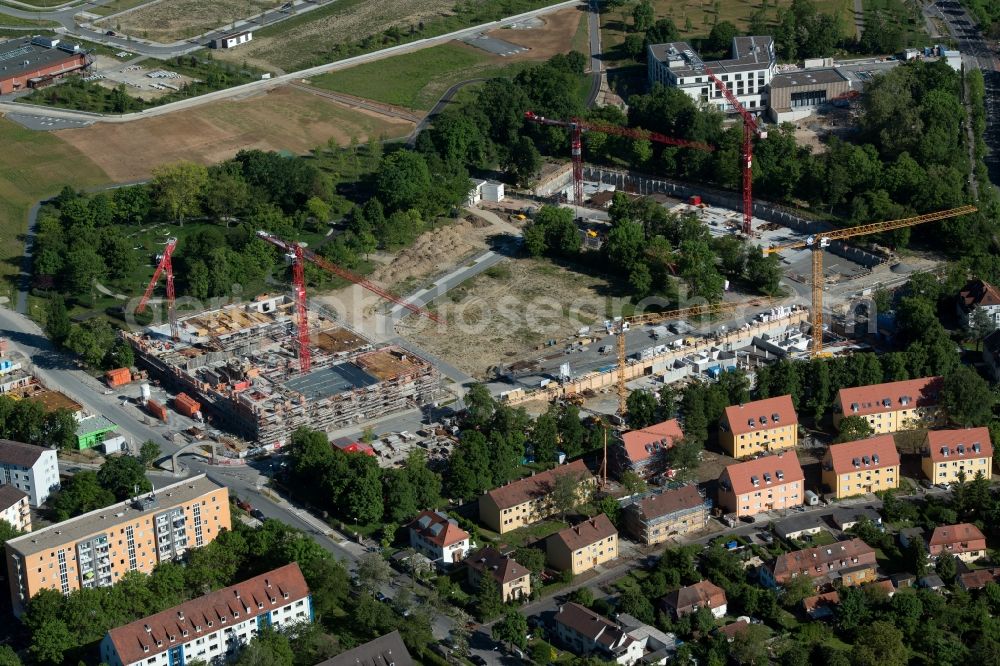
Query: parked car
[(245, 505), (477, 660), (111, 33), (258, 514)]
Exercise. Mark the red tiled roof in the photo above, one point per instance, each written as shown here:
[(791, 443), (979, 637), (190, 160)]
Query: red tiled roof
[(761, 413), (810, 604), (705, 594), (640, 444), (978, 579), (962, 538), (827, 559), (969, 439), (889, 397), (536, 486), (669, 502), (872, 453), (884, 585), (741, 475), (979, 292), (234, 604), (732, 629), (437, 528), (588, 532), (503, 568)]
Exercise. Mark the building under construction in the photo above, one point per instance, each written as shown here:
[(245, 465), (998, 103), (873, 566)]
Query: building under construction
[(240, 363)]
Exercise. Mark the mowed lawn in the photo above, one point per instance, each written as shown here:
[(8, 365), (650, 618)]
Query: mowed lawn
[(415, 80), (33, 166)]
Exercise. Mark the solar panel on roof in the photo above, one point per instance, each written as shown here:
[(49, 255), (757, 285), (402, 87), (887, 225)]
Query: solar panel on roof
[(16, 53)]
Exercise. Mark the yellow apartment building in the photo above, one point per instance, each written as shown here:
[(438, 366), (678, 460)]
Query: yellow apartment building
[(860, 467), (762, 426), (948, 452), (98, 548), (769, 483), (528, 500), (891, 407), (582, 547)]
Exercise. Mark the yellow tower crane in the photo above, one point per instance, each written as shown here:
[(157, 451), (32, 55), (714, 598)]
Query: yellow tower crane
[(618, 329), (821, 240)]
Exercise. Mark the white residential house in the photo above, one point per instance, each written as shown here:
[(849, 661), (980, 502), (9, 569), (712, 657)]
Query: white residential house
[(747, 74), (625, 642), (439, 538), (33, 469), (213, 628), (14, 508), (979, 295)]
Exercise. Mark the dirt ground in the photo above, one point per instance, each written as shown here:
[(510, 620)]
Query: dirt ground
[(287, 50), (282, 119), (173, 20), (544, 41), (507, 311)]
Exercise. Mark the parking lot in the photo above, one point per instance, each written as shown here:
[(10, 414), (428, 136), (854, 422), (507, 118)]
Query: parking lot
[(140, 81)]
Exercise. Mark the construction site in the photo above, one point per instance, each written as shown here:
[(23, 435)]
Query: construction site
[(242, 364)]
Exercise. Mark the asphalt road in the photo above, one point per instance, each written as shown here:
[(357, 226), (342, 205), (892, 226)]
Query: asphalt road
[(596, 66), (438, 108)]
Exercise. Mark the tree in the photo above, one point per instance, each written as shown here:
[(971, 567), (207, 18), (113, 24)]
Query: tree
[(881, 644), (532, 559), (373, 572), (967, 398), (981, 325), (764, 273), (83, 266), (57, 322), (119, 356), (566, 492), (749, 645), (479, 406), (525, 161), (643, 16), (641, 409), (268, 648), (852, 428), (947, 567), (8, 657), (178, 188), (545, 437), (636, 604), (50, 642), (403, 181), (489, 604), (512, 629), (124, 476), (362, 496), (720, 39), (79, 494), (684, 456), (633, 483), (149, 452), (796, 589)]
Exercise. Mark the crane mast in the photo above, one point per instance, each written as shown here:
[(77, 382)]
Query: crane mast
[(165, 265), (299, 256)]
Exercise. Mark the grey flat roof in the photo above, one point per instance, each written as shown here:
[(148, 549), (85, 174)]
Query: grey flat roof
[(749, 53), (15, 52), (387, 650), (331, 381), (807, 77), (93, 424), (102, 520)]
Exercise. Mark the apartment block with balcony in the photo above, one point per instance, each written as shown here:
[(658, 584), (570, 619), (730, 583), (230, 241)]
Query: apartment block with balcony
[(769, 483), (763, 426), (213, 628), (33, 469), (950, 453), (14, 508), (662, 516), (582, 547), (98, 548), (892, 406), (863, 466), (528, 500)]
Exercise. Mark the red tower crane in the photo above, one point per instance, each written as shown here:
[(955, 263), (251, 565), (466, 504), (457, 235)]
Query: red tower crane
[(577, 127), (750, 128), (299, 256), (164, 265)]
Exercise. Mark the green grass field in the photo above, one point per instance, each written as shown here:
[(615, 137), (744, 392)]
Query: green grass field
[(16, 22), (415, 80), (34, 165)]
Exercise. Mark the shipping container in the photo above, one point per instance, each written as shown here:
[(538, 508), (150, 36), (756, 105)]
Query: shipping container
[(117, 377), (186, 405), (157, 410)]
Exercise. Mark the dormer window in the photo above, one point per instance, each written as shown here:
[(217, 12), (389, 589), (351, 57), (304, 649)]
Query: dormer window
[(944, 451), (211, 624), (145, 648), (855, 406), (260, 604), (763, 420), (776, 417), (867, 461), (767, 477), (856, 462), (886, 402), (875, 458), (285, 595), (976, 447), (961, 449), (779, 474), (184, 633), (750, 422), (755, 481)]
